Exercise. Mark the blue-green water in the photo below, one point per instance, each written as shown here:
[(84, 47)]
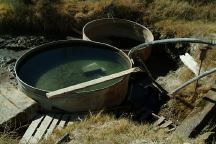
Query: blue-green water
[(62, 67)]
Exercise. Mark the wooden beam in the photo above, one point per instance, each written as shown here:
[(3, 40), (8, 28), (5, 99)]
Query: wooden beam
[(73, 88), (200, 113)]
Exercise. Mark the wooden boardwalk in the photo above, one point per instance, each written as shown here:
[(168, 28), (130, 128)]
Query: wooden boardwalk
[(13, 103), (44, 124)]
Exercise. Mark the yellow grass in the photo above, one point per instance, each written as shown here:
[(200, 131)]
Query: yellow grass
[(181, 28), (180, 17), (8, 138), (103, 128)]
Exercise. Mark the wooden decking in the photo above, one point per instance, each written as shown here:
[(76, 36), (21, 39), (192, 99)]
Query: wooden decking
[(14, 104), (43, 125)]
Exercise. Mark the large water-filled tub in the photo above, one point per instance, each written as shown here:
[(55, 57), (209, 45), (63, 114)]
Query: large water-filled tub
[(60, 64)]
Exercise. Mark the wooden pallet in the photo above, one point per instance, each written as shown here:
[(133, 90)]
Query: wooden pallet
[(44, 124), (161, 122)]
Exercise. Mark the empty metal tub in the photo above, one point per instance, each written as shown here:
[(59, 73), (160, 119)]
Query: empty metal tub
[(121, 33)]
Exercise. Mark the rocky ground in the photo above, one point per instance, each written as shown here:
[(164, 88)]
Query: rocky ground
[(12, 47)]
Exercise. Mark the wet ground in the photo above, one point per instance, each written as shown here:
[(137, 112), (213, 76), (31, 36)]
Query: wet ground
[(12, 47)]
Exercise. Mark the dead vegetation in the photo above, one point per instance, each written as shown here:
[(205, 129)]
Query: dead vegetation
[(103, 128), (176, 18), (8, 138), (184, 102)]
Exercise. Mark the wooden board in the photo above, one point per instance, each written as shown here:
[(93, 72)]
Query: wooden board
[(41, 130), (166, 124), (73, 88), (199, 114), (44, 125), (159, 121), (14, 104), (31, 129), (63, 121), (52, 126), (7, 110)]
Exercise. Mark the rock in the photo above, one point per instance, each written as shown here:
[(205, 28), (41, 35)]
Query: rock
[(16, 47)]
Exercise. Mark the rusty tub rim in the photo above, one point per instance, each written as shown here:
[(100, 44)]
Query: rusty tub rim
[(117, 19), (39, 47)]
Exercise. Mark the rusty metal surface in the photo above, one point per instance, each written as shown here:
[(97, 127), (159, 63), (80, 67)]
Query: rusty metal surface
[(98, 29), (84, 101)]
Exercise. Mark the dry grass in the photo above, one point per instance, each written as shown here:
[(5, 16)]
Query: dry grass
[(182, 28), (101, 128), (177, 109), (183, 10), (179, 17), (8, 138)]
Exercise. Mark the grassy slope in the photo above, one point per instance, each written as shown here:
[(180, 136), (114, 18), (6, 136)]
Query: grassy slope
[(176, 18), (102, 128), (7, 138)]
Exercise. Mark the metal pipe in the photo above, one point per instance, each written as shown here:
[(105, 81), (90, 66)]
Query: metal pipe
[(178, 40), (173, 40), (192, 80)]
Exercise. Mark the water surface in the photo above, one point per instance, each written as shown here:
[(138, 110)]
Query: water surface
[(62, 67)]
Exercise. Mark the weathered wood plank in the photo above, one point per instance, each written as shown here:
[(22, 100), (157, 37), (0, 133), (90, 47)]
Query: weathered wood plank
[(64, 119), (159, 121), (16, 97), (7, 110), (41, 130), (14, 104), (72, 119), (53, 125), (195, 118), (166, 124), (31, 129), (73, 88)]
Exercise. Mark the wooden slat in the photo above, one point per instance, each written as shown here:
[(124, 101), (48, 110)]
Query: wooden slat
[(72, 119), (7, 109), (47, 126), (73, 88), (166, 124), (63, 121), (159, 121), (31, 129), (53, 125), (41, 130), (14, 104)]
